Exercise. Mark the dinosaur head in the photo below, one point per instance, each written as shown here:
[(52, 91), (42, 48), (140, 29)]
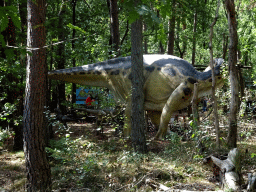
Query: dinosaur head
[(205, 80)]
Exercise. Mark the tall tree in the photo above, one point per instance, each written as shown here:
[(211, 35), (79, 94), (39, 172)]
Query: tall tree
[(232, 60), (137, 115), (194, 37), (37, 167), (73, 47), (11, 87), (171, 30), (182, 50), (145, 38), (213, 80), (61, 58), (114, 24)]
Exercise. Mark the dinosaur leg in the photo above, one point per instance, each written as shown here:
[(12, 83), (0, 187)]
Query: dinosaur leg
[(155, 117), (181, 96), (127, 120)]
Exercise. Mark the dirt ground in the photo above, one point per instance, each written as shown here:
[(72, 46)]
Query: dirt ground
[(12, 165)]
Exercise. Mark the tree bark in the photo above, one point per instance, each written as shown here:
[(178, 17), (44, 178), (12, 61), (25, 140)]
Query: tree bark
[(232, 60), (137, 115), (37, 167), (194, 38), (145, 39), (224, 45), (161, 48), (73, 48), (195, 107), (114, 24), (177, 40), (61, 60), (171, 31), (229, 170), (215, 107), (12, 83)]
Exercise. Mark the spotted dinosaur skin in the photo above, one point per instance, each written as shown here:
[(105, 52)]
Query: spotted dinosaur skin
[(169, 84)]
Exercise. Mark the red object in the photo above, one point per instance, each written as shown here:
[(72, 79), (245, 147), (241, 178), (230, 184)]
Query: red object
[(88, 101)]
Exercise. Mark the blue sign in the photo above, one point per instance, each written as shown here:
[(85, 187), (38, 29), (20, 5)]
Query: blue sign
[(81, 96)]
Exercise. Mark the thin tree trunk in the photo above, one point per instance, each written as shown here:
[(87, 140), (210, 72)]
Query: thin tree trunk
[(145, 39), (114, 21), (171, 31), (61, 61), (177, 40), (215, 107), (194, 38), (137, 115), (125, 34), (73, 48), (161, 48), (37, 167), (195, 106), (232, 60), (225, 45)]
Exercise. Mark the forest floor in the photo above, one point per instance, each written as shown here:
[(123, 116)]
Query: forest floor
[(83, 159)]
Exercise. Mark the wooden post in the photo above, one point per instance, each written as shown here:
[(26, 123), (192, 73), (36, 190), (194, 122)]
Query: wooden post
[(195, 106)]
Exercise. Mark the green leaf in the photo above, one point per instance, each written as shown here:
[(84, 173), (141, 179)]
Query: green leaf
[(76, 28), (16, 20), (253, 155), (2, 40), (9, 53), (4, 22), (198, 157), (133, 16)]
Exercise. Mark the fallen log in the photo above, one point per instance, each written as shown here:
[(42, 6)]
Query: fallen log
[(229, 169), (251, 182), (102, 112), (158, 187)]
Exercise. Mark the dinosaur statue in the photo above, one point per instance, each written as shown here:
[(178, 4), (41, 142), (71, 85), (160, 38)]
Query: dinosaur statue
[(169, 83)]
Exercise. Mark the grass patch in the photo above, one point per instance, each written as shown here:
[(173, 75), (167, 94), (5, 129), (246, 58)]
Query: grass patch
[(108, 163)]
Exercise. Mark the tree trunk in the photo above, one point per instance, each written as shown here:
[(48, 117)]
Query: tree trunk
[(232, 60), (61, 60), (37, 167), (224, 45), (177, 41), (137, 115), (171, 31), (145, 39), (12, 87), (18, 139), (195, 107), (114, 27), (194, 38), (73, 48), (161, 48), (213, 81)]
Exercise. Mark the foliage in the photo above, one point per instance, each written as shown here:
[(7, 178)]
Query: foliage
[(5, 12), (8, 109), (5, 135)]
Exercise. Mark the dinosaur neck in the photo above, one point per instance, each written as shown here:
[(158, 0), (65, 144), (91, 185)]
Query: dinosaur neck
[(208, 74)]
